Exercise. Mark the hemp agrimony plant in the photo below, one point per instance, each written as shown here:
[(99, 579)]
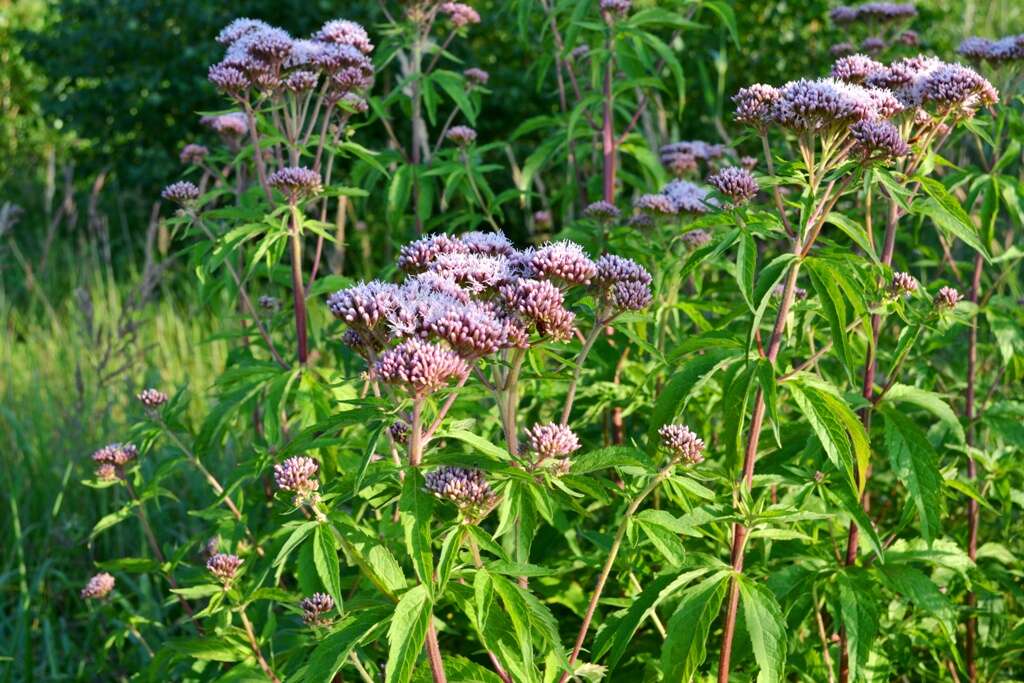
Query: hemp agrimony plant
[(716, 416)]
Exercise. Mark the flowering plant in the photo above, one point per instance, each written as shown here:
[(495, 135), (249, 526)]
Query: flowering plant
[(687, 423)]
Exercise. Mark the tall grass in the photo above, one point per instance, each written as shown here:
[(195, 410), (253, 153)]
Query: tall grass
[(71, 360)]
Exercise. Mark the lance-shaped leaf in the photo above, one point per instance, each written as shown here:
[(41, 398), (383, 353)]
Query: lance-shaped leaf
[(858, 609), (687, 630), (407, 634), (916, 464), (767, 630)]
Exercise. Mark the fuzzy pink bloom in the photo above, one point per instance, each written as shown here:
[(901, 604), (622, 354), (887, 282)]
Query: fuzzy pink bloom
[(903, 284), (240, 27), (345, 32), (399, 431), (467, 488), (542, 219), (417, 256), (472, 330), (420, 367), (460, 14), (842, 49), (552, 441), (564, 261), (947, 298), (808, 106), (738, 184), (754, 105), (119, 454), (99, 586), (748, 162), (475, 76), (602, 211), (686, 197), (855, 68), (878, 140), (462, 136), (909, 38), (152, 398), (301, 81), (627, 283), (182, 192), (872, 44), (232, 125), (543, 304), (612, 268), (615, 9), (315, 607), (682, 443), (297, 474), (295, 182), (193, 154), (487, 243), (106, 472), (224, 566), (655, 205), (363, 305), (695, 239)]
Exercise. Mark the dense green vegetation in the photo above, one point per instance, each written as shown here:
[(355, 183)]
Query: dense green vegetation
[(107, 289)]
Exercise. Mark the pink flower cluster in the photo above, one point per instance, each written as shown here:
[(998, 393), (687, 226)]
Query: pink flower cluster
[(996, 52), (467, 488), (873, 12), (267, 58), (682, 443), (683, 157), (111, 460), (471, 296)]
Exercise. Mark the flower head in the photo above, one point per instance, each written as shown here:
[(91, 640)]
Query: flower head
[(230, 126), (903, 284), (417, 256), (754, 105), (467, 488), (872, 44), (551, 441), (315, 607), (602, 211), (542, 219), (363, 305), (460, 14), (487, 243), (615, 9), (655, 205), (240, 27), (542, 304), (682, 443), (296, 182), (475, 76), (686, 197), (565, 261), (947, 298), (878, 140), (345, 32), (472, 329), (152, 398), (182, 192), (399, 431), (224, 566), (842, 49), (855, 68), (117, 454), (99, 586), (193, 154), (297, 475), (420, 367), (909, 38), (463, 136), (738, 184), (626, 282), (301, 81), (823, 104), (695, 239)]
